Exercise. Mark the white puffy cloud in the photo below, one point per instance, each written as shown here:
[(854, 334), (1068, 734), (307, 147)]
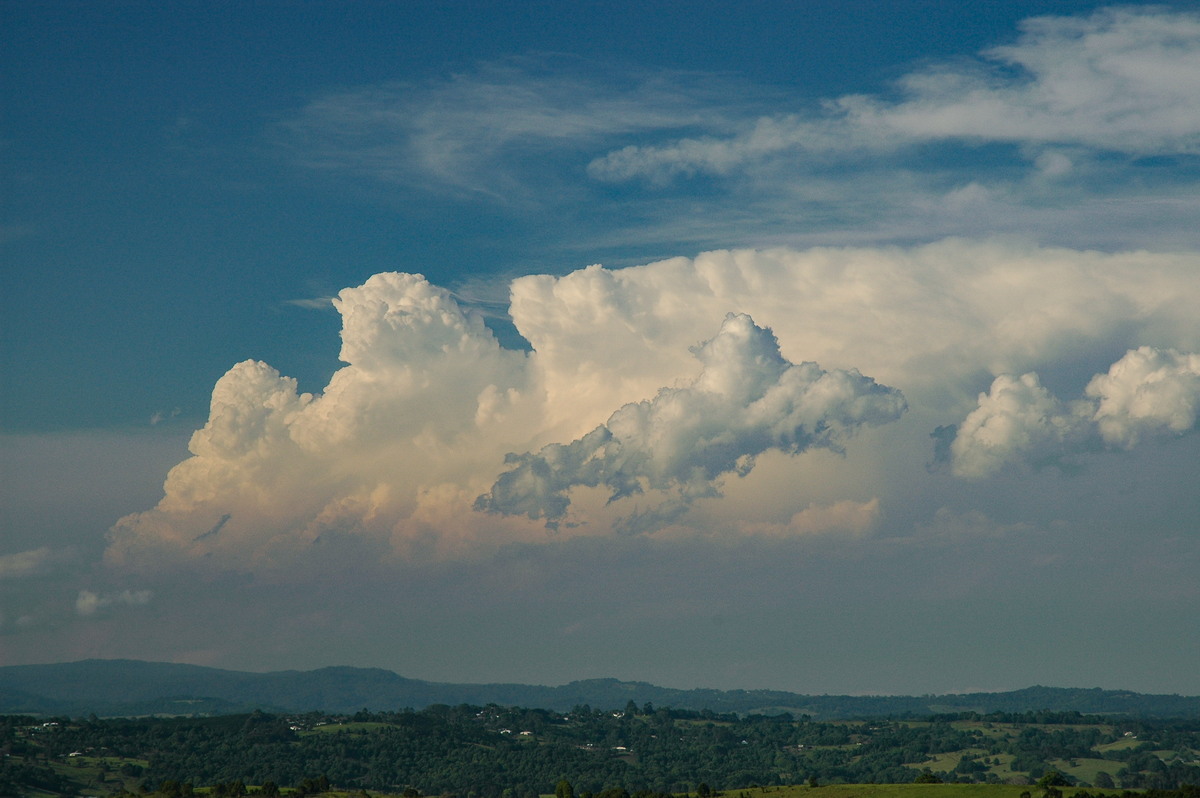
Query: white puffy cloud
[(1017, 420), (747, 400), (274, 469), (389, 459), (924, 319), (1147, 393)]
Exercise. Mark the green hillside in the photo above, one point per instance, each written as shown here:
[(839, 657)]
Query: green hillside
[(131, 687)]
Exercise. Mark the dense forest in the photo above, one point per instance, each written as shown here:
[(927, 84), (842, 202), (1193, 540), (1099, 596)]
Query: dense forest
[(498, 752)]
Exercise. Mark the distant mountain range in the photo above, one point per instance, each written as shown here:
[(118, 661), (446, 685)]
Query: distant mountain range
[(132, 687)]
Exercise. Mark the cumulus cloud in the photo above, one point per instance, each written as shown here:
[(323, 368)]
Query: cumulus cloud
[(274, 468), (389, 459), (1122, 80), (88, 603), (1147, 393), (747, 400), (1016, 419)]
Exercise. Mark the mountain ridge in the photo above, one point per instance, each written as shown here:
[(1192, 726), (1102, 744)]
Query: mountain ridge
[(122, 687)]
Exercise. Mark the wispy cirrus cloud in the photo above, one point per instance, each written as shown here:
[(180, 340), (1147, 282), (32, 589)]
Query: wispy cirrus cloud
[(493, 130), (1081, 131), (1121, 80)]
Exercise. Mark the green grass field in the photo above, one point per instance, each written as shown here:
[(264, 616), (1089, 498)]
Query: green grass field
[(1086, 769), (836, 791), (884, 791), (351, 726)]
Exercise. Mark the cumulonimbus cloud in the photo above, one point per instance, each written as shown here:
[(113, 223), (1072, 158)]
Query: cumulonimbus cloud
[(748, 399), (389, 458), (275, 469), (1148, 393)]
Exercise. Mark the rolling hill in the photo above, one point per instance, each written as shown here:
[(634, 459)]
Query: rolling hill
[(134, 687)]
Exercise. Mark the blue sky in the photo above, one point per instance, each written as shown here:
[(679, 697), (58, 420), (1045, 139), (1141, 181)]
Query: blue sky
[(893, 342), (152, 178)]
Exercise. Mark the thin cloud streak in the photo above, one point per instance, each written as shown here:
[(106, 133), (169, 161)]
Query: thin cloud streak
[(1053, 137), (487, 131), (1121, 81)]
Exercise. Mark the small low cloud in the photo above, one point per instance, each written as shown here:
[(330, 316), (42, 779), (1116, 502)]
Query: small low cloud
[(748, 399), (1148, 393), (33, 562), (161, 416), (841, 518), (952, 525), (312, 303), (87, 604)]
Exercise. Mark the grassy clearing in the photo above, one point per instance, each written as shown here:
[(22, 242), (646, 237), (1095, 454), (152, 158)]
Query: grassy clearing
[(1085, 769), (888, 791), (938, 763), (351, 726), (872, 791), (95, 776), (1004, 770)]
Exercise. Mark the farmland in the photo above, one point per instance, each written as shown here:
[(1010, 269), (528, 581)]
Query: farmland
[(500, 752)]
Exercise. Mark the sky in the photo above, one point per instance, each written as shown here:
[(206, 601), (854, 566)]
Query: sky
[(833, 347)]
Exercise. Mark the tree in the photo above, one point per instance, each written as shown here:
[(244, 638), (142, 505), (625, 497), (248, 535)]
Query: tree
[(927, 776), (1052, 778), (564, 789)]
